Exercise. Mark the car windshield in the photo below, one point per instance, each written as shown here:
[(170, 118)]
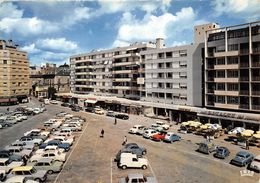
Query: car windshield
[(240, 156)]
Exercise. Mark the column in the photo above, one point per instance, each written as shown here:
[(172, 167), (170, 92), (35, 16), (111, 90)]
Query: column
[(250, 66), (170, 115), (156, 111)]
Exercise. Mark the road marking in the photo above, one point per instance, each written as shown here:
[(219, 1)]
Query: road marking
[(152, 170), (71, 153), (111, 171)]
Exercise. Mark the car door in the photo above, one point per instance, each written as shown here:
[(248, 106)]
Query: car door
[(135, 162)]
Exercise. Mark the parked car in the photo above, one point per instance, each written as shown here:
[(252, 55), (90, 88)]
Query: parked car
[(73, 127), (36, 141), (62, 139), (128, 160), (7, 165), (122, 116), (149, 133), (255, 164), (48, 164), (90, 109), (159, 136), (10, 156), (110, 113), (64, 104), (21, 116), (242, 158), (53, 101), (58, 143), (131, 148), (163, 125), (49, 148), (171, 137), (11, 119), (99, 111), (138, 178), (207, 147), (30, 172), (136, 129), (56, 155), (19, 150), (20, 179), (5, 124), (221, 152), (76, 108)]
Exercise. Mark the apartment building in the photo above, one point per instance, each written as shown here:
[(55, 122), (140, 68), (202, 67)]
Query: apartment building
[(14, 73), (232, 68), (109, 72), (174, 75)]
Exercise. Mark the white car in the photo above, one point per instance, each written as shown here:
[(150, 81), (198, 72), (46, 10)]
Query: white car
[(36, 130), (20, 150), (74, 122), (1, 126), (20, 179), (56, 155), (7, 165), (64, 139), (73, 127), (37, 110), (149, 133), (68, 116), (49, 148), (255, 164), (21, 117), (163, 125), (136, 129), (36, 141), (12, 119), (54, 102), (236, 130)]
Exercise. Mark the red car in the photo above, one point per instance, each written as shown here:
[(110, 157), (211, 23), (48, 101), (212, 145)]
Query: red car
[(159, 137)]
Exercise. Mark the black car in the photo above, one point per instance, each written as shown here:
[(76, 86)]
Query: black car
[(90, 109), (66, 104), (222, 152), (76, 108), (122, 116)]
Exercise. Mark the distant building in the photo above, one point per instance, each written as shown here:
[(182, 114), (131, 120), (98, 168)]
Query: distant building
[(14, 73)]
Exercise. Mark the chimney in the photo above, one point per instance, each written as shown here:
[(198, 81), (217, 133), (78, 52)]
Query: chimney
[(160, 43)]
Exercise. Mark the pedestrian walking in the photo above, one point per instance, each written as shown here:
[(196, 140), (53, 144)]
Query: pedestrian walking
[(125, 140), (102, 133), (115, 121), (247, 145), (7, 109)]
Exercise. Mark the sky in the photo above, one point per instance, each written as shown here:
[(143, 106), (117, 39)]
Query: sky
[(52, 31)]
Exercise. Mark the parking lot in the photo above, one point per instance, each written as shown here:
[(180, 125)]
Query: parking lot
[(92, 158)]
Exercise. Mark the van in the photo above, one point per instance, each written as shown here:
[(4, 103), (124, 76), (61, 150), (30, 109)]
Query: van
[(129, 160), (207, 147), (30, 172)]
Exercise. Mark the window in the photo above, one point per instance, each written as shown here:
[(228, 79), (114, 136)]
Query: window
[(169, 75), (232, 100), (160, 65), (220, 86), (220, 74), (232, 60), (183, 53), (233, 47), (232, 73), (168, 54), (220, 99), (168, 65), (5, 61), (232, 87), (160, 55), (168, 85), (220, 61)]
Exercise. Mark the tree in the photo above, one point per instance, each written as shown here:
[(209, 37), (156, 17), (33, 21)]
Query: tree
[(51, 92)]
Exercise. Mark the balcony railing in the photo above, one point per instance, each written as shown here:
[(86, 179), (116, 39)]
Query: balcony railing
[(255, 92), (210, 78), (256, 107), (244, 92), (256, 50), (256, 78), (244, 64), (244, 51), (244, 106), (211, 103), (244, 78), (255, 64)]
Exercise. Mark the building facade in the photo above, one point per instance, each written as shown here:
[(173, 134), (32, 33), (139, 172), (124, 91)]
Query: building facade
[(232, 68), (109, 72), (14, 73)]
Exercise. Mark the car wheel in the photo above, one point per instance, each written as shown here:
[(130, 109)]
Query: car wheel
[(144, 167), (144, 152), (38, 179), (50, 172), (124, 167)]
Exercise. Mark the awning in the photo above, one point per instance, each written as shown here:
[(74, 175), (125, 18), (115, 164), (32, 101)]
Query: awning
[(91, 101), (4, 100), (227, 118)]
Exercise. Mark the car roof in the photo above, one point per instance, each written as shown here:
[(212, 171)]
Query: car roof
[(135, 175), (3, 160), (243, 153), (22, 168), (45, 160), (18, 178)]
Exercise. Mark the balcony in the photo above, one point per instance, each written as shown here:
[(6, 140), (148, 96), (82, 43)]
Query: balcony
[(127, 55), (227, 80), (230, 66), (256, 93), (256, 50), (226, 93), (125, 88), (256, 107), (226, 53), (227, 106), (122, 79), (124, 71), (126, 63), (244, 52), (244, 106), (244, 92), (255, 64), (256, 78)]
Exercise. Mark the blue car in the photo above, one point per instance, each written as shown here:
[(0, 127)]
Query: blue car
[(65, 146), (242, 158), (171, 137), (222, 152)]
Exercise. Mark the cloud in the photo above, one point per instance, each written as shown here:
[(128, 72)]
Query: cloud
[(9, 10), (151, 27), (31, 49), (27, 26), (106, 6), (245, 9), (58, 44), (179, 43)]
